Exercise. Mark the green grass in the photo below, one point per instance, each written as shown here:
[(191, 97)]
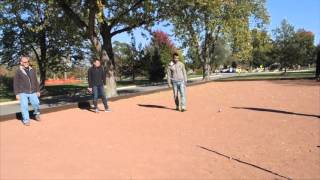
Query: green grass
[(6, 94), (194, 75), (65, 89), (277, 75), (124, 83), (52, 90)]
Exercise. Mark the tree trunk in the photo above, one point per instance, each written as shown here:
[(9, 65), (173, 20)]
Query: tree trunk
[(206, 71), (43, 76), (111, 86), (206, 63), (43, 59), (212, 47), (208, 49), (42, 70), (133, 77), (109, 64)]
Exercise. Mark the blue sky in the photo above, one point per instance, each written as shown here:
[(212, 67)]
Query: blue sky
[(299, 13)]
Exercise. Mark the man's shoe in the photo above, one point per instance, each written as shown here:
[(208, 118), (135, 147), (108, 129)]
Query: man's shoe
[(37, 117), (183, 110), (177, 108), (26, 123), (96, 110), (107, 110)]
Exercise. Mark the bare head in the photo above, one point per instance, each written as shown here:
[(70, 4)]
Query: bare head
[(97, 63), (175, 57), (24, 61)]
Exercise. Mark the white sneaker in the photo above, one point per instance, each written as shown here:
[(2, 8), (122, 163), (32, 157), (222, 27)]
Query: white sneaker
[(96, 110), (107, 110)]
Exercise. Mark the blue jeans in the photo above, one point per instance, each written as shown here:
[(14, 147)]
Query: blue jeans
[(179, 87), (24, 105), (99, 90)]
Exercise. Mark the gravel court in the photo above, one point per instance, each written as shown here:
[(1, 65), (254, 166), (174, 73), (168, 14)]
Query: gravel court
[(273, 125)]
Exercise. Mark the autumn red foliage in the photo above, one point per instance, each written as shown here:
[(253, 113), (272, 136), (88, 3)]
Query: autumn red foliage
[(162, 38)]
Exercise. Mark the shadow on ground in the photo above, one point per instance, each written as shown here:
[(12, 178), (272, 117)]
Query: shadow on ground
[(155, 106), (276, 111), (64, 99), (127, 91), (19, 115), (244, 162), (85, 105)]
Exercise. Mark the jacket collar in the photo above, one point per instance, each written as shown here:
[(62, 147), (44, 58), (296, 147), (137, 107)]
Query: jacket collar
[(23, 71)]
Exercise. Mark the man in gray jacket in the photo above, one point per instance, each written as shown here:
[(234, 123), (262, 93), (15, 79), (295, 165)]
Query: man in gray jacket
[(26, 87), (177, 78)]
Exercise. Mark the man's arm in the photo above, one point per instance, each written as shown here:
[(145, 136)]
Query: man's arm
[(15, 85), (169, 76), (185, 77)]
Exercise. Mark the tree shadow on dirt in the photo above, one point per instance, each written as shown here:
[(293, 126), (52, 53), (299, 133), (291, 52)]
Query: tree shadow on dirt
[(276, 111), (244, 162), (154, 106)]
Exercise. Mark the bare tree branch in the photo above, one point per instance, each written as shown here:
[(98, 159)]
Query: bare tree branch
[(130, 27), (134, 6), (79, 22), (92, 15)]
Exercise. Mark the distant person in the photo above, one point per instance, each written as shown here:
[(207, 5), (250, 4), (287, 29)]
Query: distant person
[(26, 88), (96, 81), (177, 78)]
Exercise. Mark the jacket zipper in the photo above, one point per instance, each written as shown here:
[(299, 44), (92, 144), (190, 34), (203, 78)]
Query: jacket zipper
[(30, 85), (29, 82)]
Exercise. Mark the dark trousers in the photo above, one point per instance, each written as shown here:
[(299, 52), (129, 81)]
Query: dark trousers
[(99, 90)]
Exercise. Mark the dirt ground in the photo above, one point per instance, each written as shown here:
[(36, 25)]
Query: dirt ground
[(265, 130)]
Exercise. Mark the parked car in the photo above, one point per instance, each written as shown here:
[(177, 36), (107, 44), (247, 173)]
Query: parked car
[(228, 70)]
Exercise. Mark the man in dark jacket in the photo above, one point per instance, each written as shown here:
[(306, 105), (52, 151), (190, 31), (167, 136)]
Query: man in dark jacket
[(26, 87), (96, 81)]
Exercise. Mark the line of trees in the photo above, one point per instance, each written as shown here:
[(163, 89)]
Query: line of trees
[(293, 47), (289, 48)]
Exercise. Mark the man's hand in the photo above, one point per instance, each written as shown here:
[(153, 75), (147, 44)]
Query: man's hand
[(17, 97), (170, 85), (90, 90), (38, 94)]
